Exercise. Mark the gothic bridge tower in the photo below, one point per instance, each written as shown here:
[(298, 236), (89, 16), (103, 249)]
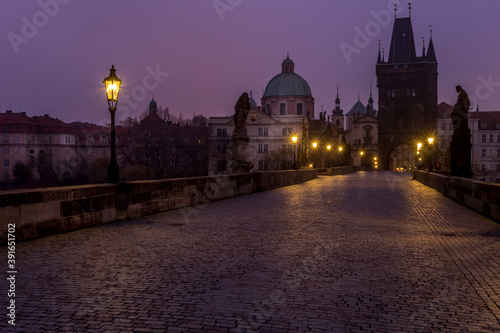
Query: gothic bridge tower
[(407, 93)]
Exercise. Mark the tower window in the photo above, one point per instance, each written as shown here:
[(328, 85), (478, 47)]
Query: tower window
[(299, 108)]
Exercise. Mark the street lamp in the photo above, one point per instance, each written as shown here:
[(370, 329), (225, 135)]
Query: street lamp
[(328, 156), (315, 145), (112, 83), (431, 141), (294, 140), (340, 154)]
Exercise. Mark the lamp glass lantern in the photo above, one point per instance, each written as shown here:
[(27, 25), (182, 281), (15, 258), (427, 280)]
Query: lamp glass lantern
[(112, 84)]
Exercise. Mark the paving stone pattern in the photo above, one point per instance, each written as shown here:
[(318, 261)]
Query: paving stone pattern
[(368, 251)]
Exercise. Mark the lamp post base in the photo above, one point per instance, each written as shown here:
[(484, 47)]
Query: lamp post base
[(113, 174)]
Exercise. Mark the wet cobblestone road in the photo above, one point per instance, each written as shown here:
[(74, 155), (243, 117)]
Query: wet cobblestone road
[(360, 252)]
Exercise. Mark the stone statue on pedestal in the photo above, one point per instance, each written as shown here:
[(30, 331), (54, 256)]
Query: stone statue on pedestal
[(460, 164), (241, 111), (240, 138)]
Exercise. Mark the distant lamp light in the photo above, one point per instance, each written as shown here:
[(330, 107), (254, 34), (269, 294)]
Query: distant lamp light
[(294, 139), (328, 147), (419, 145), (362, 153), (315, 144), (310, 165), (430, 140), (340, 148), (374, 158)]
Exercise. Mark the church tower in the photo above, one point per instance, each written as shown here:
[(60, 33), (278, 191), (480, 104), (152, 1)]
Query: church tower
[(153, 107), (407, 93), (338, 113)]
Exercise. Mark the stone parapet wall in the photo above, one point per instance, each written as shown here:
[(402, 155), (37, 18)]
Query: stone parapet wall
[(337, 170), (481, 196), (48, 211)]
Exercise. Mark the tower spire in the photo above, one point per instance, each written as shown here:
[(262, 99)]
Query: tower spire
[(378, 59), (409, 9), (369, 108)]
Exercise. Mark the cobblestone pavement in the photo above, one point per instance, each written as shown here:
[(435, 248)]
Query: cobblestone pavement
[(360, 252)]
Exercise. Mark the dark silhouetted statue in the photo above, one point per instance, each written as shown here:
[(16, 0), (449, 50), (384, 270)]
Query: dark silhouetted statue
[(241, 111), (240, 163), (460, 164)]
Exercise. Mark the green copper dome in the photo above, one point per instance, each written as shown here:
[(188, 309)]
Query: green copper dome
[(287, 83)]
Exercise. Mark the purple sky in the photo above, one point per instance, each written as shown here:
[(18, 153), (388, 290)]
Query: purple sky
[(211, 57)]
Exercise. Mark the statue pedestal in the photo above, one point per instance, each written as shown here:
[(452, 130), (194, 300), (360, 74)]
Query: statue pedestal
[(460, 161), (239, 153)]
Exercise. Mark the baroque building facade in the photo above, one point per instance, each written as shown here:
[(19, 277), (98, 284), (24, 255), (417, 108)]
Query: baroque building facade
[(287, 107)]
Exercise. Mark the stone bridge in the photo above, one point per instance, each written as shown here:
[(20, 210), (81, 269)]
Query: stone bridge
[(366, 251)]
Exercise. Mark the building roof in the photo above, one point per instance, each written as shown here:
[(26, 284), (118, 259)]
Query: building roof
[(402, 43), (488, 120), (16, 122), (444, 110), (358, 108), (287, 83)]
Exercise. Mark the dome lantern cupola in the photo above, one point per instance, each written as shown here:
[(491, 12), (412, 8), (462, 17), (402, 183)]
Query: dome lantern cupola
[(153, 106), (287, 66)]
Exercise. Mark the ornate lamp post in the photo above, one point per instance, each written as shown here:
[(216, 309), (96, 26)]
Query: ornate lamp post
[(294, 140), (112, 83), (431, 141)]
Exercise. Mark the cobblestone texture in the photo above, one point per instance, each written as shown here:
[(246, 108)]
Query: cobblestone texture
[(361, 252)]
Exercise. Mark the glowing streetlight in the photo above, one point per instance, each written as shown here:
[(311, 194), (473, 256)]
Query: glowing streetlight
[(112, 84), (294, 140), (419, 145), (431, 141), (315, 144)]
